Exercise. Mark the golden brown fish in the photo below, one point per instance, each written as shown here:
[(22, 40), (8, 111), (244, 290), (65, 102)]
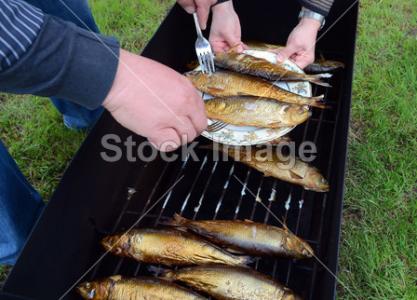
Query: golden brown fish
[(251, 65), (226, 83), (232, 283), (170, 248), (249, 237), (319, 66), (254, 111), (119, 288), (297, 172)]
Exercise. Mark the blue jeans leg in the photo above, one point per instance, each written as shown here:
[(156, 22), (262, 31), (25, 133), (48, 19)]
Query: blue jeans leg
[(20, 207), (79, 13)]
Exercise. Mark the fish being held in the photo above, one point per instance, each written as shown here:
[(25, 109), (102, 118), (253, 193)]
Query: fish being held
[(232, 283), (119, 288), (226, 84), (249, 237), (254, 111), (251, 65), (319, 66), (169, 247), (288, 169)]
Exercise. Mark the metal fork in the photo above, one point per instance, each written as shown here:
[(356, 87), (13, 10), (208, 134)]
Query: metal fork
[(216, 126), (203, 48)]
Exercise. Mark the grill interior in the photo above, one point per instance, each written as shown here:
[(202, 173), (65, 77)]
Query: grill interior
[(96, 198), (209, 189)]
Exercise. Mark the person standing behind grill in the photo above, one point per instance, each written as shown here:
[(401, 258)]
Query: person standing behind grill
[(52, 48)]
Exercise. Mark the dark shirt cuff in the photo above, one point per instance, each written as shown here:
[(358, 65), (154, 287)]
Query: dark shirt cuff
[(65, 62)]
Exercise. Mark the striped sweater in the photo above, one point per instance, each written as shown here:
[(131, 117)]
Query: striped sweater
[(46, 56), (320, 6)]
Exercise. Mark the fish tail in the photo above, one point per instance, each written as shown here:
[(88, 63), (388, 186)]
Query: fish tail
[(319, 102), (316, 79), (245, 260), (178, 221)]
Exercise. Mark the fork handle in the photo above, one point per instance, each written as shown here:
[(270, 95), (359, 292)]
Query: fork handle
[(197, 25)]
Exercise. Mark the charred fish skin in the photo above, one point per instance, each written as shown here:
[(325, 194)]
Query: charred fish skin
[(248, 64), (226, 84), (299, 172), (248, 237), (258, 112), (232, 283), (170, 248), (119, 288)]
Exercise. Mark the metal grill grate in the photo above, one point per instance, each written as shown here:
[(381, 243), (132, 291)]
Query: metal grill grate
[(210, 190)]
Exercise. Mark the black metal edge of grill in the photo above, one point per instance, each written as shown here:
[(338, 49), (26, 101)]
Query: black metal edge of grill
[(91, 199)]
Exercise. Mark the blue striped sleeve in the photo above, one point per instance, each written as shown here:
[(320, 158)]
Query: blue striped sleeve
[(20, 24)]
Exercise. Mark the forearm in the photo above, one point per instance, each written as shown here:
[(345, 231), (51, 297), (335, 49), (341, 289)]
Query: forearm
[(320, 6), (59, 59)]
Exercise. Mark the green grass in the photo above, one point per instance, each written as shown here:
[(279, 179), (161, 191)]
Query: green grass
[(379, 243), (378, 258)]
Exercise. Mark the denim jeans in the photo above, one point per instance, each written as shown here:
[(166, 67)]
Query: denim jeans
[(79, 13), (20, 204)]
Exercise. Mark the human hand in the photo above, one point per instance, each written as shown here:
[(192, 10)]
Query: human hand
[(301, 44), (156, 102), (202, 7), (225, 29)]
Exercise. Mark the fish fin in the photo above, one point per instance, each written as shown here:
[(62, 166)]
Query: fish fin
[(318, 81), (248, 221), (295, 175), (319, 102), (115, 278), (246, 260), (214, 90), (178, 221), (234, 251)]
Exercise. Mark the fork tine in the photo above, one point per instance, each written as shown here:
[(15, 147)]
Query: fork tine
[(206, 63), (200, 62), (203, 64), (216, 126), (213, 67)]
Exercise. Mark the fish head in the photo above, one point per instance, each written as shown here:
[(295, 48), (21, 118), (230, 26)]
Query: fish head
[(297, 247), (97, 290), (318, 182), (118, 244), (298, 114), (289, 295)]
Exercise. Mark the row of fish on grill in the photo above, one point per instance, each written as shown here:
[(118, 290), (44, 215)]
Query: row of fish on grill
[(201, 258)]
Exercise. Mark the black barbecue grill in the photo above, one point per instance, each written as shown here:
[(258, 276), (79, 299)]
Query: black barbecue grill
[(96, 197)]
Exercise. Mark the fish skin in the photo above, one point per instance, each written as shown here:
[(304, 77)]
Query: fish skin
[(251, 65), (248, 237), (232, 283), (170, 248), (254, 111), (322, 66), (119, 288), (300, 174), (226, 84)]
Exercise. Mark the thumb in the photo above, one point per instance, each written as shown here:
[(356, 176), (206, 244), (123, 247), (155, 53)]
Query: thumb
[(286, 53), (234, 43)]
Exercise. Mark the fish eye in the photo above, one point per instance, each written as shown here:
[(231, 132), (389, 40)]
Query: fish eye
[(88, 285), (118, 250)]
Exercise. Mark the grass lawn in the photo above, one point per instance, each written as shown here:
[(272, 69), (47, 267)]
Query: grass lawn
[(378, 258)]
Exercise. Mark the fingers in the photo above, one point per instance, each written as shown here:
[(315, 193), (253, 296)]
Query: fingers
[(286, 53), (186, 130), (165, 140), (203, 11), (188, 5), (199, 119), (304, 59)]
